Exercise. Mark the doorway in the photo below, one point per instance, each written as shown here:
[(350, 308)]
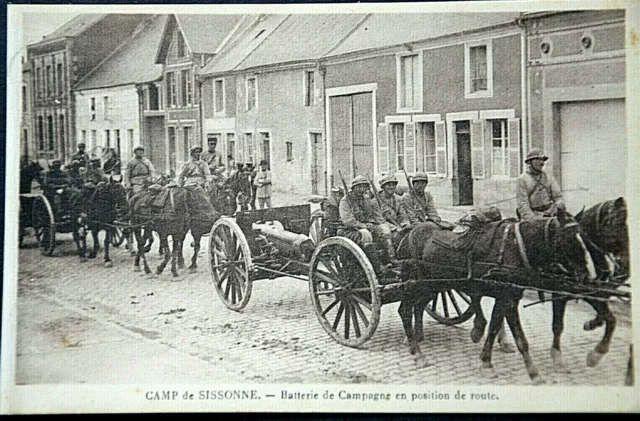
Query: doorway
[(462, 179)]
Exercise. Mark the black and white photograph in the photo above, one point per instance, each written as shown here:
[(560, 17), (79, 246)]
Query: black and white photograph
[(395, 207)]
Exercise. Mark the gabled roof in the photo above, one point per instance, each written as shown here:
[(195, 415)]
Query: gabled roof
[(389, 29), (202, 33), (133, 62), (274, 39), (74, 27)]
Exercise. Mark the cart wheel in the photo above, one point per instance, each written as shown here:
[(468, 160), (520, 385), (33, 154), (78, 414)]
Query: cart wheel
[(230, 263), (344, 291), (450, 307), (315, 229), (117, 237), (44, 224)]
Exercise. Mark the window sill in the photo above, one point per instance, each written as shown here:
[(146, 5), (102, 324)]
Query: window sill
[(483, 94), (408, 110)]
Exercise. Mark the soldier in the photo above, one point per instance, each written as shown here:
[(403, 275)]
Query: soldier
[(140, 171), (75, 178), (420, 208), (263, 183), (195, 172), (537, 194), (81, 156), (211, 157), (361, 222), (94, 173), (112, 164), (392, 209), (54, 180), (253, 172)]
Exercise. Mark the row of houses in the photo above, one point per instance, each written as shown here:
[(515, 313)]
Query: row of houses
[(460, 96)]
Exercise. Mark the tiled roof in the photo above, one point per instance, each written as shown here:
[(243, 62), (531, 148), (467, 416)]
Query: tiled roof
[(389, 29), (133, 62), (205, 33), (75, 26)]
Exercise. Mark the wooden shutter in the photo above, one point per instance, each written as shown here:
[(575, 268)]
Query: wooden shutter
[(441, 148), (410, 147), (240, 146), (513, 148), (477, 149), (383, 148)]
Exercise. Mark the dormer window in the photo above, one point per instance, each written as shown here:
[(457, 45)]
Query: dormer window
[(180, 44)]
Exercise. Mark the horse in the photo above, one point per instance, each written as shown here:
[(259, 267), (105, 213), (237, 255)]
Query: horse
[(102, 206), (508, 255), (168, 218), (29, 171)]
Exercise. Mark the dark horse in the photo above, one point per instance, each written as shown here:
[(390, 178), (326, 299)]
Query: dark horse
[(99, 208), (29, 171), (508, 256)]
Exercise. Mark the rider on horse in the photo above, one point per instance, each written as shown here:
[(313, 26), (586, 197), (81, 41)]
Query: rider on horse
[(140, 171), (55, 180), (537, 194)]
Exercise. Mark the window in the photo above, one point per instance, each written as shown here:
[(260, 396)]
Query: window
[(218, 96), (61, 131), (427, 145), (24, 99), (39, 82), (51, 133), (94, 139), (171, 90), (249, 145), (309, 87), (478, 70), (49, 81), (397, 137), (171, 132), (186, 88), (152, 98), (107, 138), (181, 50), (186, 141), (105, 104), (118, 145), (60, 79), (265, 140), (83, 137), (499, 145), (93, 108), (252, 93), (289, 151), (231, 145), (40, 133), (409, 82)]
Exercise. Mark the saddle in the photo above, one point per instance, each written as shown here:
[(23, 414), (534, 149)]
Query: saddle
[(477, 239)]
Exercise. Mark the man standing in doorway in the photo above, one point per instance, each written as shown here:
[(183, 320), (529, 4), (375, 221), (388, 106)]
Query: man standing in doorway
[(537, 194), (263, 184)]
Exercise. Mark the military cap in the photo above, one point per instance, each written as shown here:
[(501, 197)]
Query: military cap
[(359, 179), (81, 145), (264, 161), (56, 163), (420, 176), (536, 153), (139, 148), (336, 189), (195, 148), (389, 178)]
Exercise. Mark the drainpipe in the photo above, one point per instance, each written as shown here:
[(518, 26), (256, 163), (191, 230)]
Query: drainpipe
[(322, 70), (200, 110), (524, 87)]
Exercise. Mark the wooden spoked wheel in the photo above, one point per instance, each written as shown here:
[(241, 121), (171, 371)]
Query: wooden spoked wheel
[(344, 291), (315, 229), (450, 307), (43, 223), (230, 263)]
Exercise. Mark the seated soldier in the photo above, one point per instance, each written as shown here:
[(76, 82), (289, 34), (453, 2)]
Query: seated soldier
[(420, 208), (54, 180), (390, 206), (75, 178), (361, 222), (94, 173)]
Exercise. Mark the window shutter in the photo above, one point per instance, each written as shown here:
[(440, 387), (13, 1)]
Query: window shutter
[(513, 127), (240, 156), (383, 148), (477, 149), (441, 148), (410, 147)]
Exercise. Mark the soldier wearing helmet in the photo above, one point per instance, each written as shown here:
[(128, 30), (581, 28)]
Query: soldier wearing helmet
[(538, 195), (139, 172), (81, 156), (361, 222), (420, 208), (390, 205), (195, 172)]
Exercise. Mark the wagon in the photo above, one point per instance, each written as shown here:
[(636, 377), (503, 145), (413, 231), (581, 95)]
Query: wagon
[(346, 291)]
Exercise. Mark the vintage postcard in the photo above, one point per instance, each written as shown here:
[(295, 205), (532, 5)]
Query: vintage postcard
[(402, 207)]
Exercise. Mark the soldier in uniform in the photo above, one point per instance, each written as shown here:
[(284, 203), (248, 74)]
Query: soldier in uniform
[(212, 158), (361, 222), (262, 181), (421, 208), (81, 156), (195, 172), (392, 209), (537, 194), (54, 180), (140, 171), (94, 173)]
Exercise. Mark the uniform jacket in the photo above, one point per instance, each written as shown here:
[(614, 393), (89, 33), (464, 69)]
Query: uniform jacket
[(55, 179), (393, 205), (95, 175), (194, 172), (263, 182), (139, 170), (363, 214), (536, 193), (82, 158), (112, 166), (213, 160), (423, 206)]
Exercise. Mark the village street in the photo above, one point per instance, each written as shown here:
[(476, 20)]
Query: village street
[(79, 322)]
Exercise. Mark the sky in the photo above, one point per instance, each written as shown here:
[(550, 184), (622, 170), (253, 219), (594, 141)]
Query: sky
[(37, 25)]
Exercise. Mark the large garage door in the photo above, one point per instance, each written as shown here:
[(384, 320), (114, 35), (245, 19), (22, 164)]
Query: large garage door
[(594, 152)]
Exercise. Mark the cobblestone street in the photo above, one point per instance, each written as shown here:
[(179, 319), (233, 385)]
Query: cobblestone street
[(276, 338)]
